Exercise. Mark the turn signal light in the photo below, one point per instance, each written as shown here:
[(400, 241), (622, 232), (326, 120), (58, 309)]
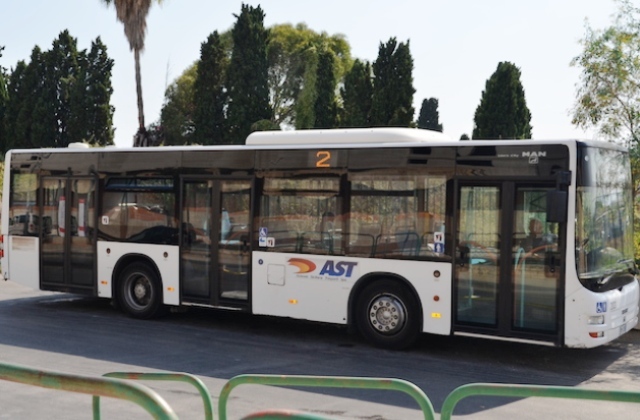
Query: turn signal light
[(598, 334)]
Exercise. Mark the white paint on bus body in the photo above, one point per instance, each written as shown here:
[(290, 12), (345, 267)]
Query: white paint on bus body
[(165, 257), (317, 287)]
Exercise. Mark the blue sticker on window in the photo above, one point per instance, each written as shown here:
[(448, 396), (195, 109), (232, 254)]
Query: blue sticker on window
[(601, 307)]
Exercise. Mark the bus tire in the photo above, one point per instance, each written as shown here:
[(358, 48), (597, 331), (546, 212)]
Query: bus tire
[(388, 315), (140, 291)]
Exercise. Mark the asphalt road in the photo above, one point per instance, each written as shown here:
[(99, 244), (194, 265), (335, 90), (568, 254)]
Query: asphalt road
[(86, 336)]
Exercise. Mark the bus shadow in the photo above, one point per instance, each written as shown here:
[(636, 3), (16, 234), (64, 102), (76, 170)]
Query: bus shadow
[(222, 344)]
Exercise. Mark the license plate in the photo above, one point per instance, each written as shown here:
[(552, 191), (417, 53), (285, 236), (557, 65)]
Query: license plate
[(623, 329)]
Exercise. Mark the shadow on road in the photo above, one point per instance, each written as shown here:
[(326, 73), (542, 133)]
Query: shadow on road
[(223, 344)]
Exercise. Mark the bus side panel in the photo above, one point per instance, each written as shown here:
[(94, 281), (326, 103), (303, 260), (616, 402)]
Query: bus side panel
[(4, 221), (317, 288), (165, 257), (619, 308), (23, 261)]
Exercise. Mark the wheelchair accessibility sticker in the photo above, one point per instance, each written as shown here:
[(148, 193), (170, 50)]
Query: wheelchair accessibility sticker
[(601, 307)]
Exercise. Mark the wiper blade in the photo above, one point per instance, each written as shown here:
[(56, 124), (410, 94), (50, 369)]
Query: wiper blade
[(630, 263)]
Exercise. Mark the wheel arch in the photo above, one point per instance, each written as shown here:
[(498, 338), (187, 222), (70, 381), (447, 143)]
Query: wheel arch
[(127, 260), (369, 278)]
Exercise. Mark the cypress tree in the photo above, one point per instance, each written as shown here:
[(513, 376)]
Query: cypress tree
[(4, 102), (392, 101), (16, 79), (503, 111), (325, 107), (305, 103), (78, 104), (248, 74), (210, 94), (99, 128), (62, 61), (35, 109), (429, 117), (91, 115), (356, 95)]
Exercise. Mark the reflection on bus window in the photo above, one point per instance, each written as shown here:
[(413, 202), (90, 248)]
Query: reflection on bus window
[(391, 216)]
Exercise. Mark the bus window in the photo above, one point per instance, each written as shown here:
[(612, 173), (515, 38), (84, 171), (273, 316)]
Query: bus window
[(292, 212), (144, 215), (23, 219), (397, 215)]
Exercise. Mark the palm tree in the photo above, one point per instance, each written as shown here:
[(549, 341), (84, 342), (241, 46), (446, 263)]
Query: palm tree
[(133, 15)]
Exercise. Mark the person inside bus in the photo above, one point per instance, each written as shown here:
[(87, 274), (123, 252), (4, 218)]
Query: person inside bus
[(535, 239)]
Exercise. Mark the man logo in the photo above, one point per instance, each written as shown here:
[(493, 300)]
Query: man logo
[(304, 266), (534, 157)]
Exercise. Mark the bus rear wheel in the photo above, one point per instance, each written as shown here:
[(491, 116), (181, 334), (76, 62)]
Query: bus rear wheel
[(388, 315), (139, 291)]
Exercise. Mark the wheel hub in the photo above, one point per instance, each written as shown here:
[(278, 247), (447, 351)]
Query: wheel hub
[(140, 290), (387, 314)]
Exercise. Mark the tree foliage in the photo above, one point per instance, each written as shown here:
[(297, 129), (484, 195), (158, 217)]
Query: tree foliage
[(248, 74), (503, 111), (4, 101), (356, 93), (325, 107), (294, 53), (210, 94), (287, 52), (36, 122), (608, 95), (177, 114), (429, 116), (91, 115), (292, 56), (61, 96), (392, 99)]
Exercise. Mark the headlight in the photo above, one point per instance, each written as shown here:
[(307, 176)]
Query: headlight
[(596, 320)]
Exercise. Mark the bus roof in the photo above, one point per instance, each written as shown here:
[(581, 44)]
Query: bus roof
[(346, 135)]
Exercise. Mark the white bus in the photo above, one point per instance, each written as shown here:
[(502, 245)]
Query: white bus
[(395, 232)]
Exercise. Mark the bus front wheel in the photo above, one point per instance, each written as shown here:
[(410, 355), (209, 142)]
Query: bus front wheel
[(139, 291), (388, 315)]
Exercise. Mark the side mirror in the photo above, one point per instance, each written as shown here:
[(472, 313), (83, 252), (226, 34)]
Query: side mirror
[(556, 206)]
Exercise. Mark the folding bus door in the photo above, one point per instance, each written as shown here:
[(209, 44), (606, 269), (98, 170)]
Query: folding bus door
[(215, 241), (68, 234), (508, 262)]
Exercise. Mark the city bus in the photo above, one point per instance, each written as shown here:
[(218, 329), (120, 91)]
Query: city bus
[(392, 232)]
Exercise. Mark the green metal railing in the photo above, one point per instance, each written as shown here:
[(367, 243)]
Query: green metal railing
[(118, 385), (174, 377), (106, 387), (512, 390), (327, 382), (283, 415)]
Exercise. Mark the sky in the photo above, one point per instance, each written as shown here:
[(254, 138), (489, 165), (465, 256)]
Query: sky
[(456, 46)]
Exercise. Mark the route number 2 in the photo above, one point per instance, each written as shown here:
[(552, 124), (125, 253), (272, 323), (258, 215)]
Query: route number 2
[(323, 159)]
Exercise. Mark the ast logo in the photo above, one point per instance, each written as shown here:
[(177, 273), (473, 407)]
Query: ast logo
[(330, 268), (304, 266)]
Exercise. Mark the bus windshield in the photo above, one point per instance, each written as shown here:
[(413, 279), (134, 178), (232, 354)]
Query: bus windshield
[(604, 229)]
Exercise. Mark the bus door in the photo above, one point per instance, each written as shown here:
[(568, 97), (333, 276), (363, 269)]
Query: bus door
[(68, 234), (215, 241), (508, 265)]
